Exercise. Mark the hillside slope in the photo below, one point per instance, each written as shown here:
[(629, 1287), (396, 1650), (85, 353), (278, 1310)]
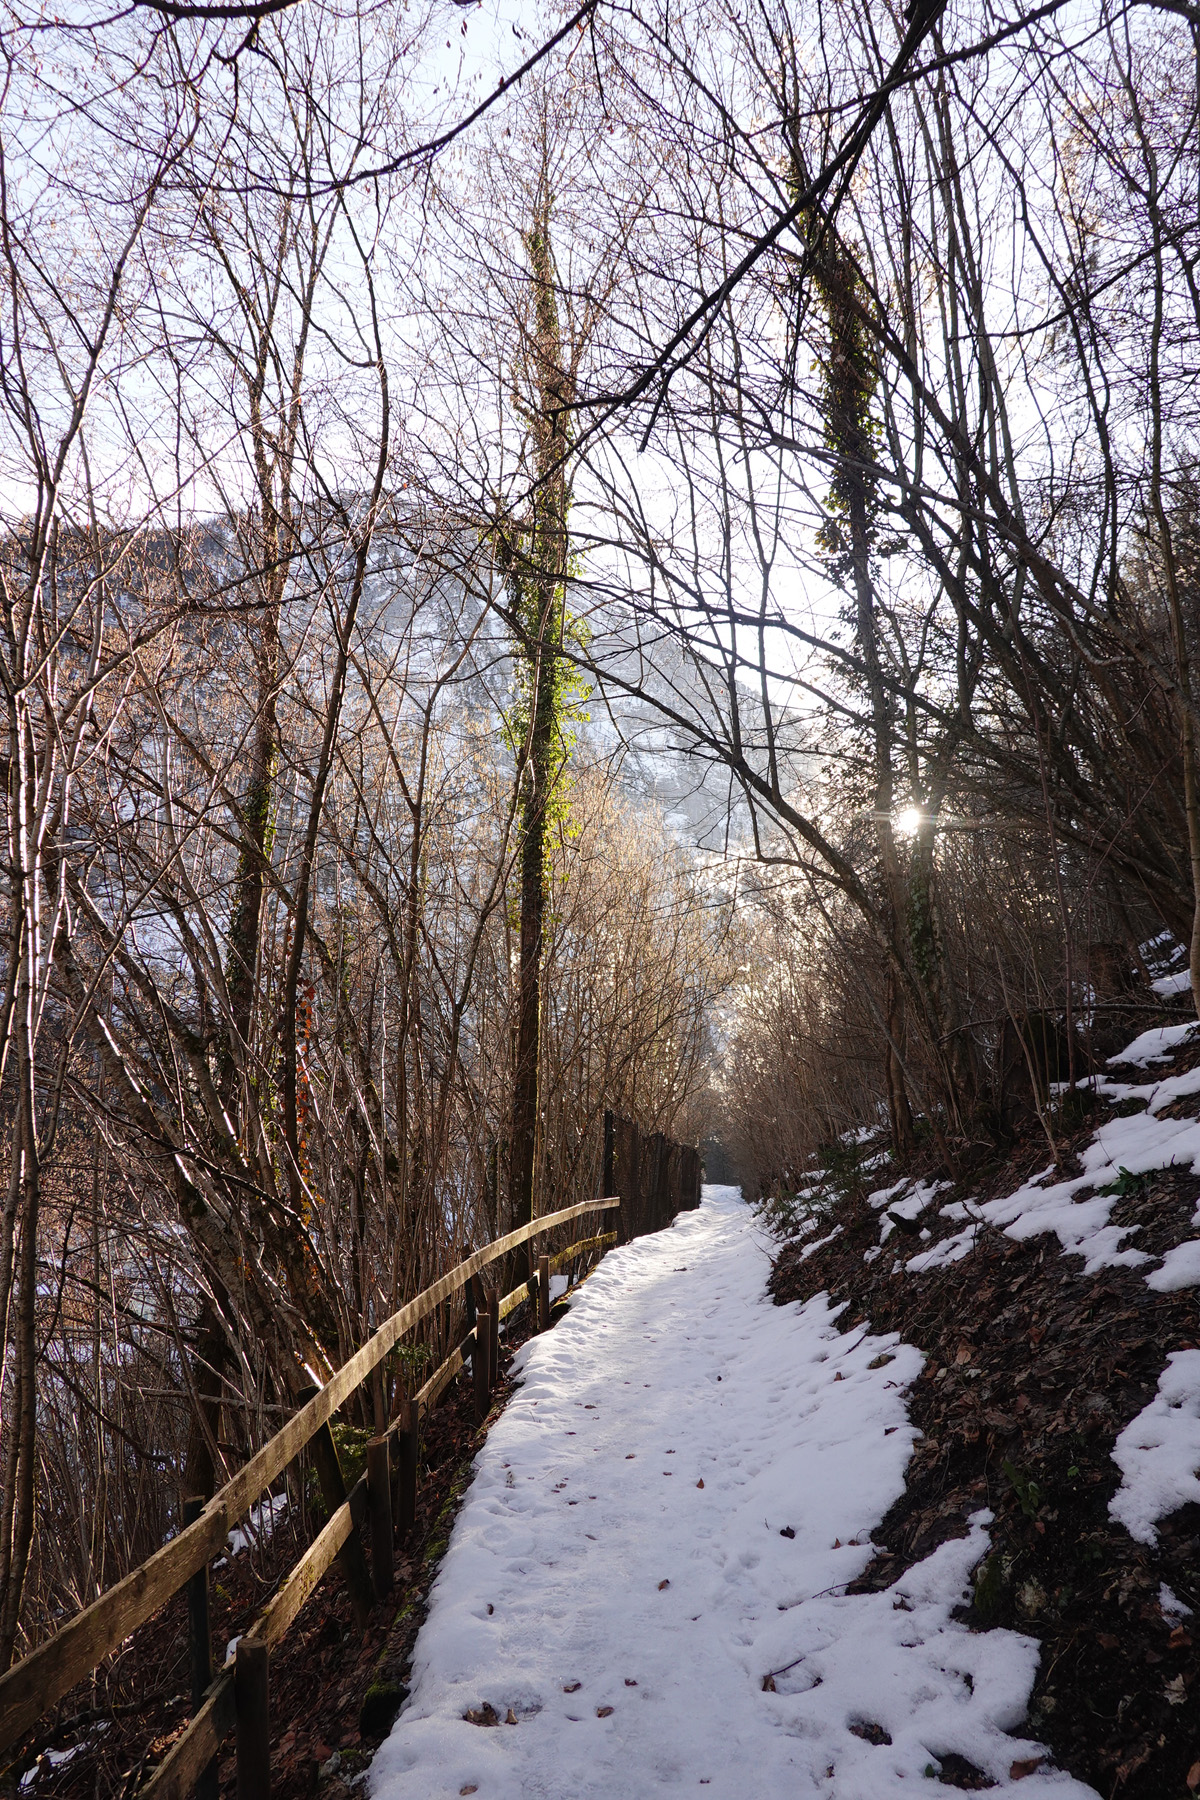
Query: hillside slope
[(1056, 1307)]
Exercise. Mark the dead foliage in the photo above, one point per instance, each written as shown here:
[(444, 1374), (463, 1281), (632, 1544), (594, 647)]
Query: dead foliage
[(1032, 1370)]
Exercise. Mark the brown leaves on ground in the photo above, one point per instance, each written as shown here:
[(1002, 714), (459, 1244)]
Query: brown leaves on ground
[(1019, 1408)]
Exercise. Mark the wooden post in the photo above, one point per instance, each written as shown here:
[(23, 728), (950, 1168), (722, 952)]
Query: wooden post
[(379, 1501), (607, 1174), (323, 1451), (494, 1341), (481, 1362), (200, 1645), (472, 1313), (543, 1293), (379, 1398), (407, 1445), (252, 1702)]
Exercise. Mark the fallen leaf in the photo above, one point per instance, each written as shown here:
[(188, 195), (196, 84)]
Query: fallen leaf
[(1193, 1777), (629, 1681), (768, 1686), (482, 1715), (1179, 1638), (472, 1787), (572, 1687), (700, 1483), (788, 1531), (604, 1712), (881, 1362), (1019, 1770), (510, 1717), (662, 1585), (1176, 1692)]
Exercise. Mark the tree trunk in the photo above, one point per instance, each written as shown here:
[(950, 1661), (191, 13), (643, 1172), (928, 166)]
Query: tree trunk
[(537, 584)]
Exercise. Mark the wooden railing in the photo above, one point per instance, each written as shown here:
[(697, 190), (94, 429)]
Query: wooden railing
[(238, 1694)]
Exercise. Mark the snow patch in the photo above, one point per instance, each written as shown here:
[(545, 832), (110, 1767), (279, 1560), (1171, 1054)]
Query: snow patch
[(820, 1243), (258, 1528), (1157, 1045), (1078, 1210), (1158, 1453), (1180, 1269), (1170, 1605), (1167, 986)]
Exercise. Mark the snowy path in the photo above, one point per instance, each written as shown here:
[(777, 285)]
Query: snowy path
[(619, 1582)]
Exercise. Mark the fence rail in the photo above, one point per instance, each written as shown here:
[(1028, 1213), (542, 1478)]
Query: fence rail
[(41, 1679)]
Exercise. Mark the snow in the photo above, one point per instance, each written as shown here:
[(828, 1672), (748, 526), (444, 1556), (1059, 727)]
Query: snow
[(258, 1527), (49, 1759), (629, 1628), (1078, 1209), (1167, 986), (1170, 1605), (947, 1250), (1158, 1453), (1157, 1045), (911, 1206), (881, 1196), (820, 1243), (1180, 1269)]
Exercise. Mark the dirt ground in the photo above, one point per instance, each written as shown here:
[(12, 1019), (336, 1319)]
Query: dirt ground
[(1032, 1370)]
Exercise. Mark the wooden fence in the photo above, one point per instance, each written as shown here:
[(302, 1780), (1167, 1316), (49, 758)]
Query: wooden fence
[(655, 1176), (238, 1696)]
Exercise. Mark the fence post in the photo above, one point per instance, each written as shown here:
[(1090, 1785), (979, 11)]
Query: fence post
[(378, 1398), (406, 1444), (253, 1706), (333, 1492), (543, 1295), (494, 1340), (379, 1500), (607, 1175), (481, 1361), (200, 1645)]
